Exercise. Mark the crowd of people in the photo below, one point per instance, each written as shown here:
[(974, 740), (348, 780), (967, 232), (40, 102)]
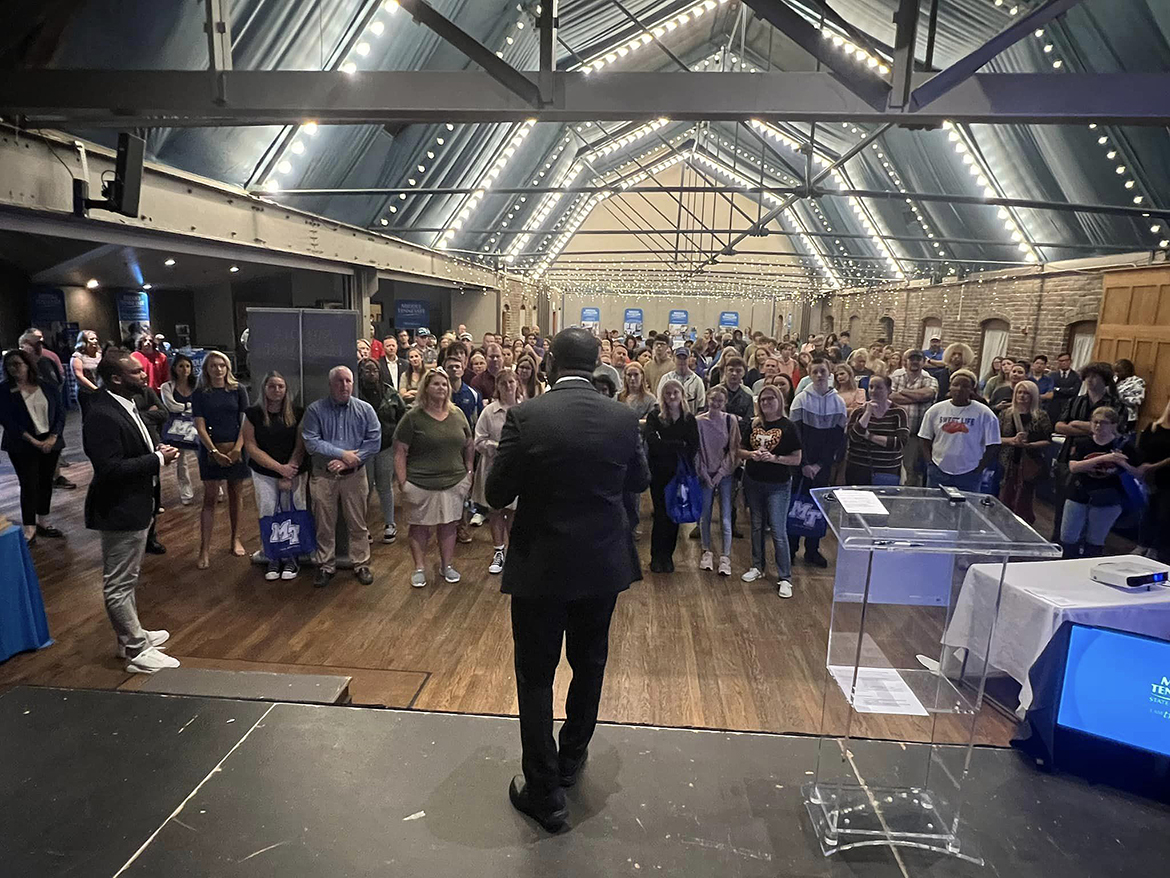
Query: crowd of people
[(418, 419)]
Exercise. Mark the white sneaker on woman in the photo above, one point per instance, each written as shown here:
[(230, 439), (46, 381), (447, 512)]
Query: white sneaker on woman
[(707, 562), (724, 565), (418, 579), (784, 588), (150, 661), (450, 574), (752, 574)]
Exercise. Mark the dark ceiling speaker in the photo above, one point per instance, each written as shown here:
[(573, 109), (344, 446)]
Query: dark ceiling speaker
[(122, 193)]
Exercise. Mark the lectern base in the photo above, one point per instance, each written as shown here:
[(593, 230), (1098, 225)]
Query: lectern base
[(846, 816)]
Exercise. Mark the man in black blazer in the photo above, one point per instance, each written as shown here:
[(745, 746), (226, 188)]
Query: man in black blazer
[(569, 455), (120, 502)]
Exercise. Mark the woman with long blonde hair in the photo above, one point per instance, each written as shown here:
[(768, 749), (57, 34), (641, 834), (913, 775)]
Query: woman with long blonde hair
[(276, 456), (1025, 432), (634, 393), (671, 433), (218, 407), (846, 387)]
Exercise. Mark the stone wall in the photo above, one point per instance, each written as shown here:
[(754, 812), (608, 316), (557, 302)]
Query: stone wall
[(1039, 310)]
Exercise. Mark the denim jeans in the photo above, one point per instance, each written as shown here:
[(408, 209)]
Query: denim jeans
[(1088, 524), (724, 491), (971, 481), (769, 499)]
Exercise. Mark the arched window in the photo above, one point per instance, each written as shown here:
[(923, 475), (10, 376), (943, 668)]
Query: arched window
[(1081, 337), (887, 329), (827, 324), (994, 343), (931, 327), (854, 326)]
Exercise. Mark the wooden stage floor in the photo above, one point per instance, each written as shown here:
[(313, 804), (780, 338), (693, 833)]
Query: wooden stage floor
[(689, 649)]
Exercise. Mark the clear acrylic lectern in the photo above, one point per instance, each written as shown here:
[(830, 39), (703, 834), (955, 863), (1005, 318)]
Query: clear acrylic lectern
[(898, 711)]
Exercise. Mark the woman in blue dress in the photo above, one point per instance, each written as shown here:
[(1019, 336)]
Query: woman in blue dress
[(218, 406)]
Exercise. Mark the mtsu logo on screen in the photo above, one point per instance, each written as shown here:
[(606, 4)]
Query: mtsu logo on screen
[(1116, 687)]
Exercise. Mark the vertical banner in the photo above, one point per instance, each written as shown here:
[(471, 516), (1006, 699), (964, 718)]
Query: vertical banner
[(591, 319), (133, 316), (633, 321), (676, 326), (729, 319), (411, 314), (47, 312)]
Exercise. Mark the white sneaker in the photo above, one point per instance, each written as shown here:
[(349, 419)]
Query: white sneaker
[(450, 574), (151, 660), (784, 588), (478, 519), (418, 579), (707, 562), (389, 533), (724, 565), (752, 575), (154, 638), (497, 565)]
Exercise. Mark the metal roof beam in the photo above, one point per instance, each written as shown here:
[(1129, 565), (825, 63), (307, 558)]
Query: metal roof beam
[(495, 67), (179, 98), (965, 67), (864, 84)]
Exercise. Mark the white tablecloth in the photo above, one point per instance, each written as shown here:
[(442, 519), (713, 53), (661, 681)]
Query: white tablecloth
[(1037, 597)]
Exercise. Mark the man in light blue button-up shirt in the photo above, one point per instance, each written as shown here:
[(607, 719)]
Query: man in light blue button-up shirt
[(341, 432)]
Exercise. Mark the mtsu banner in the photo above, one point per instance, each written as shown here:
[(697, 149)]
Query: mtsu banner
[(729, 319), (591, 319), (411, 313), (632, 321)]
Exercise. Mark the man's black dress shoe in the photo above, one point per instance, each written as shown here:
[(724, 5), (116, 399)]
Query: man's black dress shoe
[(154, 547), (49, 531), (551, 815), (570, 774)]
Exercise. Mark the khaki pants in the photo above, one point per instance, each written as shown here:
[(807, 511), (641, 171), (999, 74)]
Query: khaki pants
[(350, 492)]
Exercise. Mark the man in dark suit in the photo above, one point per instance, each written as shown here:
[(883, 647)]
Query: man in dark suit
[(121, 502), (1066, 385), (569, 455)]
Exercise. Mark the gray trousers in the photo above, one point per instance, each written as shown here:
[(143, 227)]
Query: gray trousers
[(381, 473), (122, 552)]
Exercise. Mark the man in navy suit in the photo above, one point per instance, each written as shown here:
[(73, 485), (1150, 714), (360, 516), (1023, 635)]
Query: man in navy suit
[(120, 502), (569, 455)]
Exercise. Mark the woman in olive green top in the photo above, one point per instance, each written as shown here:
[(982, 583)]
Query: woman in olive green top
[(433, 461)]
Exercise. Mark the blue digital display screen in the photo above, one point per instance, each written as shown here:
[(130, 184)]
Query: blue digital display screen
[(1117, 687)]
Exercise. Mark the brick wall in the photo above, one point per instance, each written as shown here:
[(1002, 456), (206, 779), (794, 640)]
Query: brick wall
[(1038, 308)]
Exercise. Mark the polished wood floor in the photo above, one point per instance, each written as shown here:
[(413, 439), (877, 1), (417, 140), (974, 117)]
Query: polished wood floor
[(689, 649)]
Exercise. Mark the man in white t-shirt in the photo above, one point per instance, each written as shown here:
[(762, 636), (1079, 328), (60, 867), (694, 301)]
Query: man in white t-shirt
[(960, 436)]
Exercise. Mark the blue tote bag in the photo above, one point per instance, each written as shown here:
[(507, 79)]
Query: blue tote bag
[(684, 494), (805, 518), (288, 533)]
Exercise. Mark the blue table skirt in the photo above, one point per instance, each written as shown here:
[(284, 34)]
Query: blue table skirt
[(22, 611)]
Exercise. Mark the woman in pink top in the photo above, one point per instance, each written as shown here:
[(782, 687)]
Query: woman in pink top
[(717, 459), (847, 388)]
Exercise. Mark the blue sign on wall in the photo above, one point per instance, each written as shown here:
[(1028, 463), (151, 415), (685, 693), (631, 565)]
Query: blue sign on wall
[(590, 316), (729, 318), (411, 313), (133, 314), (46, 306), (633, 315), (679, 318)]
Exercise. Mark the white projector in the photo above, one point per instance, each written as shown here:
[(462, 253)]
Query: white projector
[(1131, 574)]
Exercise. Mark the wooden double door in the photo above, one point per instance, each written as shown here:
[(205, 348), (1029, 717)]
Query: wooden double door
[(1135, 324)]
